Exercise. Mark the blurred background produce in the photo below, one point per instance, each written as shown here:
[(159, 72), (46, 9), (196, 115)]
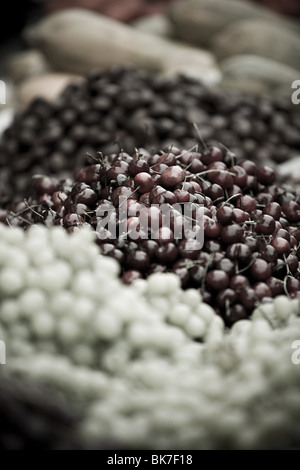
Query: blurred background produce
[(239, 34)]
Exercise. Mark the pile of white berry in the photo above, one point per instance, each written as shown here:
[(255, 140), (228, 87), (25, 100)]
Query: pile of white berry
[(149, 365)]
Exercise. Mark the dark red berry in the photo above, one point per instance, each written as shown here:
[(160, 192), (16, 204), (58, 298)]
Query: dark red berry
[(260, 270), (217, 279)]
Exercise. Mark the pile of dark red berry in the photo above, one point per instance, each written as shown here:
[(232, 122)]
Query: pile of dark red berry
[(124, 108), (251, 224)]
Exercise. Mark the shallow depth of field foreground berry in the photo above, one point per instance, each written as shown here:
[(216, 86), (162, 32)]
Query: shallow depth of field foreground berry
[(147, 365)]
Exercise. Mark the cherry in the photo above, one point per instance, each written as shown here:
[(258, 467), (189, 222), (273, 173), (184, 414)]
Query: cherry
[(225, 179), (239, 252), (234, 192), (252, 183), (265, 225), (237, 312), (182, 196), (129, 276), (138, 260), (197, 274), (168, 158), (186, 186), (273, 209), (138, 166), (225, 215), (108, 249), (72, 220), (264, 199), (217, 279), (58, 198), (211, 227), (156, 268), (180, 269), (167, 253), (200, 199), (262, 290), (226, 265), (293, 286), (251, 242), (247, 297), (249, 166), (189, 248), (239, 282), (266, 175), (211, 154), (114, 172), (215, 192), (240, 178), (159, 168), (275, 285), (260, 270), (232, 233), (226, 297), (44, 185), (213, 246), (283, 234), (247, 203), (164, 235), (156, 195), (143, 182), (150, 247), (124, 193), (268, 253), (292, 211), (281, 245), (292, 263), (89, 174), (172, 176), (240, 216), (87, 196), (196, 166)]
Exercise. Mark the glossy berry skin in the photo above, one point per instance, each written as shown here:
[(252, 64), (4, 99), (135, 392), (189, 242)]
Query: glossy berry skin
[(247, 203), (239, 282), (260, 270), (275, 285), (166, 253), (248, 298), (236, 312), (281, 245), (265, 225), (217, 280), (232, 233), (240, 216), (239, 252), (130, 276), (249, 166), (262, 290), (143, 182), (138, 166), (211, 227), (226, 265), (273, 209), (240, 178), (211, 154), (225, 215), (172, 176), (266, 175), (292, 211), (138, 260)]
